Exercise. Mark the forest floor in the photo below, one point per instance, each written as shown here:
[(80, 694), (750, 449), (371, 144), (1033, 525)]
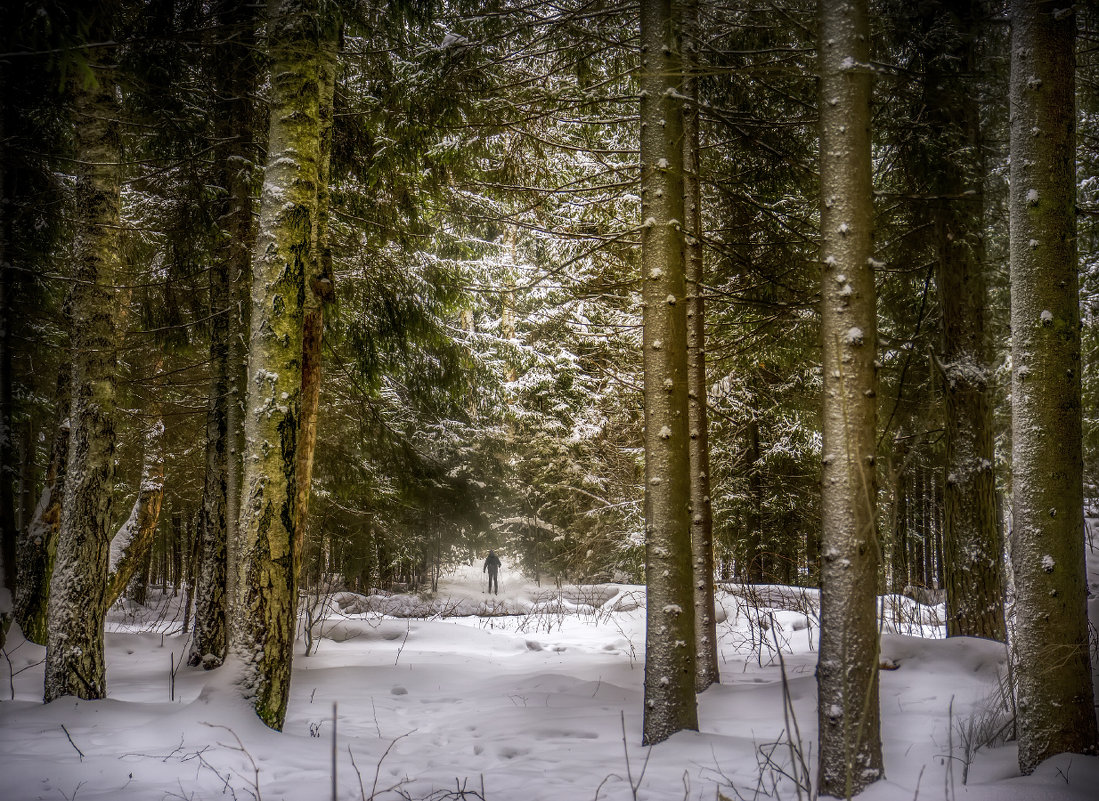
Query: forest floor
[(544, 703)]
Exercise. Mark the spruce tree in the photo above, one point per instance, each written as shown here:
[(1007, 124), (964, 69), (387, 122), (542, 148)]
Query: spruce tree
[(1056, 711), (669, 631), (702, 523), (847, 670), (78, 586)]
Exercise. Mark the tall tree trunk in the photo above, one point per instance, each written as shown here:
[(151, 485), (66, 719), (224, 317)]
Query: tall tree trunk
[(78, 588), (264, 636), (702, 522), (1056, 711), (135, 538), (237, 75), (670, 632), (210, 638), (319, 291), (847, 671)]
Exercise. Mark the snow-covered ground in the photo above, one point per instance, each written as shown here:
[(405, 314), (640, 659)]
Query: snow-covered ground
[(544, 703)]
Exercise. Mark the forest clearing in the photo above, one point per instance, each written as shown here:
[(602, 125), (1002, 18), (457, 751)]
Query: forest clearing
[(759, 341), (528, 705)]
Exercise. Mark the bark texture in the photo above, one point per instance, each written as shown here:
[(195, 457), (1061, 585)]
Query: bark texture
[(236, 76), (319, 291), (37, 546), (264, 637), (847, 671), (702, 523), (133, 541), (1056, 711), (670, 632), (78, 586)]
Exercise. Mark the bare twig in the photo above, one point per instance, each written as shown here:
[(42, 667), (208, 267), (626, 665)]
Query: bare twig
[(71, 742)]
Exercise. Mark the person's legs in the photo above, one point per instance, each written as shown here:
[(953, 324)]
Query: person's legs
[(493, 583)]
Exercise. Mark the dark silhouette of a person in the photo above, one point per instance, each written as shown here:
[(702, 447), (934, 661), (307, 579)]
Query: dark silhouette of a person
[(492, 567)]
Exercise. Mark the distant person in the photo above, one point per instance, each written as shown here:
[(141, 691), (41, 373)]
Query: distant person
[(492, 567)]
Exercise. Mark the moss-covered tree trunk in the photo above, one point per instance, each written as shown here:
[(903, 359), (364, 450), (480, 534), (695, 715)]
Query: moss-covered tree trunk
[(670, 633), (319, 291), (702, 523), (78, 586), (264, 634), (847, 670), (1056, 710), (236, 74)]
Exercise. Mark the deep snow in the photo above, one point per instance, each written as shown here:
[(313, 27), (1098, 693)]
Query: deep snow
[(526, 706)]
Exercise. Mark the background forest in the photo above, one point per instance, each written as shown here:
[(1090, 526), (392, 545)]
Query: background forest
[(476, 304), (481, 383)]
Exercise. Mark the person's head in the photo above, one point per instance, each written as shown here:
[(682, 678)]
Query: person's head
[(491, 552)]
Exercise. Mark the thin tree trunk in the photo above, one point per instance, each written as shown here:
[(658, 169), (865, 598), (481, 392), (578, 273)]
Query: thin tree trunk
[(900, 524), (1056, 711), (78, 588), (702, 523), (215, 579), (8, 468), (847, 670), (670, 632), (754, 555), (38, 540), (28, 467), (136, 536), (210, 639), (264, 637)]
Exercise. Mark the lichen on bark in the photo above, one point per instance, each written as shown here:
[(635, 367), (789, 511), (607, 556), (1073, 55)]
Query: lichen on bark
[(263, 636)]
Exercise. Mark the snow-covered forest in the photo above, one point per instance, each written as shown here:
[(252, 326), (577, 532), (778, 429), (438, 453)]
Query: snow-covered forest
[(756, 343)]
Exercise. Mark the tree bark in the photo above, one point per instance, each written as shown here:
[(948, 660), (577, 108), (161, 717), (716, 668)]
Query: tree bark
[(136, 536), (1056, 711), (847, 671), (78, 587), (702, 523), (264, 637), (237, 77), (669, 635), (38, 539), (319, 291)]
